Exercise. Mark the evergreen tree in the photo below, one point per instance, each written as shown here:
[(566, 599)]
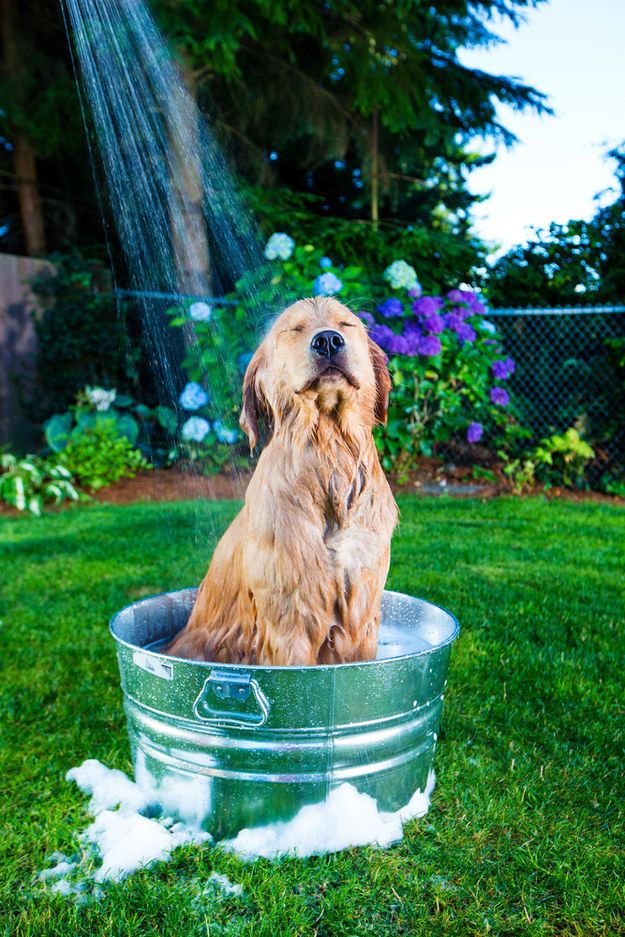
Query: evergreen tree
[(364, 110), (44, 167), (351, 120)]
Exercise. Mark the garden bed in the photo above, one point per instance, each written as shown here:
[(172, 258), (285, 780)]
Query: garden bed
[(432, 477)]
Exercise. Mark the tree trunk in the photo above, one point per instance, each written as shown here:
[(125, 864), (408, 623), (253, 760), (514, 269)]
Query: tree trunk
[(375, 178), (28, 194), (24, 160), (189, 234)]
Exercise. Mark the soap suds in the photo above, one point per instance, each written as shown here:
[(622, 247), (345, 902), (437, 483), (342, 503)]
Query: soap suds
[(346, 819), (223, 883), (137, 824)]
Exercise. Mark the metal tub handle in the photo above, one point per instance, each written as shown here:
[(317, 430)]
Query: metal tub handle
[(231, 686)]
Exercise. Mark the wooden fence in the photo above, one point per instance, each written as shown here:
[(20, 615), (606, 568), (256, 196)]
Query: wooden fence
[(17, 344)]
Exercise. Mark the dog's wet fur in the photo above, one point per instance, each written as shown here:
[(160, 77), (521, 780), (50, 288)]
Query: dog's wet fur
[(297, 578)]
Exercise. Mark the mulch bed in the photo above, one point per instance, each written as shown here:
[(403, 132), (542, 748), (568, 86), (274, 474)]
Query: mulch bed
[(431, 478)]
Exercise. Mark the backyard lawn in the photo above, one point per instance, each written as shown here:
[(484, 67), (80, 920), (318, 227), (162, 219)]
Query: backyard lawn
[(526, 824)]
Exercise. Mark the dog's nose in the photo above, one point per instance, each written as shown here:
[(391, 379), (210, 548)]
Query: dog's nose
[(327, 343)]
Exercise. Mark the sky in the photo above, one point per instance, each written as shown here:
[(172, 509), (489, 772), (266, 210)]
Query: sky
[(574, 51)]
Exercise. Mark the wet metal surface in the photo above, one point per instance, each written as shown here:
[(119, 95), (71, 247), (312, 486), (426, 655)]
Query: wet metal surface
[(261, 742)]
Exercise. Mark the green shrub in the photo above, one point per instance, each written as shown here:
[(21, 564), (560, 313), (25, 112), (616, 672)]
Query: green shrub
[(97, 455), (150, 429), (30, 483), (449, 366), (559, 460), (82, 335)]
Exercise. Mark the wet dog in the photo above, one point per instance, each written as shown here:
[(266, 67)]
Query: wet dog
[(297, 578)]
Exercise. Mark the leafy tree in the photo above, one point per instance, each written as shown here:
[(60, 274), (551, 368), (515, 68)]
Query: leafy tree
[(44, 168), (366, 108), (362, 112)]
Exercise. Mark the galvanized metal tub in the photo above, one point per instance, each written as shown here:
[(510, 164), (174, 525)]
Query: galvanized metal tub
[(249, 745)]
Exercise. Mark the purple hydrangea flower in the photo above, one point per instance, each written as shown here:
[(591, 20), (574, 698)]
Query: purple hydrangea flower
[(381, 335), (499, 369), (391, 308), (427, 305), (466, 333), (367, 318), (193, 397), (468, 298), (433, 323), (412, 327), (414, 292), (462, 312), (429, 345), (412, 337), (397, 345), (327, 284), (474, 432), (452, 320), (499, 396), (456, 296), (503, 368)]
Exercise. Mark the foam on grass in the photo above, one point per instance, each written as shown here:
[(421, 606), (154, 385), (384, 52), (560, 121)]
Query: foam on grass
[(108, 787), (128, 841), (223, 883), (122, 838), (347, 818)]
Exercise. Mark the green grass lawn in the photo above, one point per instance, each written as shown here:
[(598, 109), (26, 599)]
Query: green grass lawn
[(525, 828)]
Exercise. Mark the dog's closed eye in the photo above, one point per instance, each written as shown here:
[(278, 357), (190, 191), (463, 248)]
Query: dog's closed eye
[(347, 325)]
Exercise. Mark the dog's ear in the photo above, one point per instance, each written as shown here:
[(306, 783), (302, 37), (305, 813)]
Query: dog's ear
[(382, 380), (255, 407)]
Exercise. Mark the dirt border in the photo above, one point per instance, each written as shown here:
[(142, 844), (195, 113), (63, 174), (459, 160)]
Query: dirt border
[(432, 479)]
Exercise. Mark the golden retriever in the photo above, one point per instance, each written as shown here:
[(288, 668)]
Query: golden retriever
[(297, 578)]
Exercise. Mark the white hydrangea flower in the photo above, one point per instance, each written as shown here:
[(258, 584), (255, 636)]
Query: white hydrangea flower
[(279, 245), (195, 429), (100, 398), (200, 312), (401, 275)]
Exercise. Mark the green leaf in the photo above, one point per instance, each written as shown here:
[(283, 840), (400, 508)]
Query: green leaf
[(122, 400), (166, 418), (57, 430), (34, 506), (127, 426), (85, 419)]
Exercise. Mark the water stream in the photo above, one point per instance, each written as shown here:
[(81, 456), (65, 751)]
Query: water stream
[(173, 216)]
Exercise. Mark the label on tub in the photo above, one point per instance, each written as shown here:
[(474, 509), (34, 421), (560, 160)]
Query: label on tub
[(159, 668)]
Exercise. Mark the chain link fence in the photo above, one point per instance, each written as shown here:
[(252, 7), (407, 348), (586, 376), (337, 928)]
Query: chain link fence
[(568, 373)]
